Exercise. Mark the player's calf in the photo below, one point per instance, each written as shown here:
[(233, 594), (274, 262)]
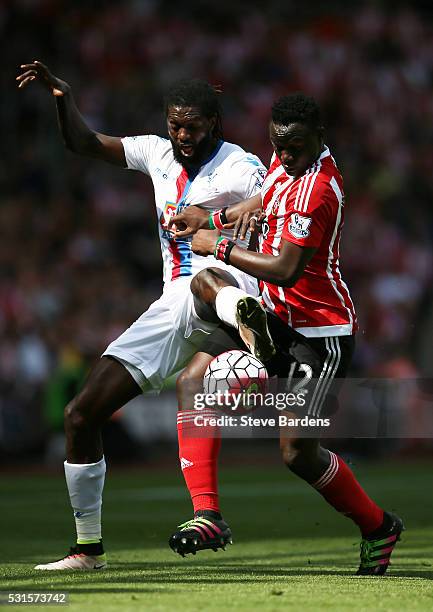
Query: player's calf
[(303, 456)]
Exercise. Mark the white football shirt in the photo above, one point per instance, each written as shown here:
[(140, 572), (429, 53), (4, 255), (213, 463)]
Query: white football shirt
[(228, 176)]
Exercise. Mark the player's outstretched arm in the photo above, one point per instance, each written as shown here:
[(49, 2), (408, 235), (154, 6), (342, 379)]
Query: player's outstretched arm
[(78, 137), (283, 270)]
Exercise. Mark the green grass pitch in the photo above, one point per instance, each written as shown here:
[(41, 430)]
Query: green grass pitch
[(291, 551)]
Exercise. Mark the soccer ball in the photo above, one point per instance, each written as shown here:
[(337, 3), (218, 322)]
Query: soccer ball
[(235, 373)]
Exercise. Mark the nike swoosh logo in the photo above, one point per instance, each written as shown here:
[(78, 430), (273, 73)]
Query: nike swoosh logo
[(98, 566)]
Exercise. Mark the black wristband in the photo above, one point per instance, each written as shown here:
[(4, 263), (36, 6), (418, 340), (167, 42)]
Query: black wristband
[(223, 216), (228, 250)]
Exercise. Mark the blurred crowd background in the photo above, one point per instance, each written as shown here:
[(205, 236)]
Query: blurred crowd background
[(79, 254)]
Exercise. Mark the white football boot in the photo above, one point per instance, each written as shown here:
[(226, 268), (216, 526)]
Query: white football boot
[(76, 561)]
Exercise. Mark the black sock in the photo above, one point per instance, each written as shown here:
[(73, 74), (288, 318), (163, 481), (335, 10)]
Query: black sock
[(208, 514), (386, 525), (92, 550)]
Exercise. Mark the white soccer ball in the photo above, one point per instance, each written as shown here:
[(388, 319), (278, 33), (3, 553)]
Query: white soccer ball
[(236, 373)]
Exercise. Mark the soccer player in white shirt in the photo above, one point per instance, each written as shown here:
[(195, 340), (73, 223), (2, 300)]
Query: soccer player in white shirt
[(194, 166)]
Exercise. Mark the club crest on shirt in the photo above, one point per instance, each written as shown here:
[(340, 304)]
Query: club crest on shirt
[(275, 205), (298, 225), (170, 210), (210, 177), (167, 214)]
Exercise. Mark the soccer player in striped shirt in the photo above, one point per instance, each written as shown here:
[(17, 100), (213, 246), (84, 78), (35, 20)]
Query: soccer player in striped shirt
[(309, 314)]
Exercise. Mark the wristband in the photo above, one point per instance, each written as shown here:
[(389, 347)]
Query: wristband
[(223, 248), (218, 218)]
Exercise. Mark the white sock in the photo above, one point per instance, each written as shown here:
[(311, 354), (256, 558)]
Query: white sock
[(85, 484), (225, 304)]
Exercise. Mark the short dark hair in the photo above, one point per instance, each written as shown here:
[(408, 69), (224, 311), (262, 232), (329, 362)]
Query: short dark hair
[(199, 94), (297, 108)]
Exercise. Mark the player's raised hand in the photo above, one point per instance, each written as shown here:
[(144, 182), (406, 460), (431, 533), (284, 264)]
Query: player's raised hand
[(189, 221), (204, 242), (36, 71)]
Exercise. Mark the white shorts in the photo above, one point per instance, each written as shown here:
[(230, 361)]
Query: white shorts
[(164, 339)]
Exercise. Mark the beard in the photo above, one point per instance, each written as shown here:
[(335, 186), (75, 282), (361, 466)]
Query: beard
[(201, 152)]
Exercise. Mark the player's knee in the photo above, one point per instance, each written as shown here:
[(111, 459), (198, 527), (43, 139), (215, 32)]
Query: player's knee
[(184, 379), (290, 453), (206, 283), (301, 455), (76, 416), (298, 452), (201, 282), (190, 382)]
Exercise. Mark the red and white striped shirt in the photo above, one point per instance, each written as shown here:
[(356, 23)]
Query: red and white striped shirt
[(308, 211)]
